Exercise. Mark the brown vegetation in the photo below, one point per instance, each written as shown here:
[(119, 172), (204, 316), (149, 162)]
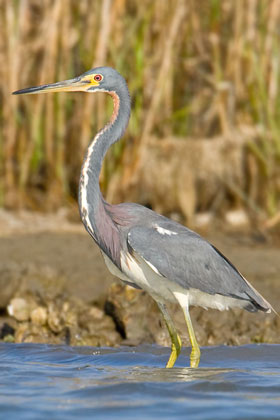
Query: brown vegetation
[(194, 69)]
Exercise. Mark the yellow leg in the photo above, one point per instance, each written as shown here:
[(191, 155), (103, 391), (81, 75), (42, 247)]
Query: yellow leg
[(195, 353), (175, 339)]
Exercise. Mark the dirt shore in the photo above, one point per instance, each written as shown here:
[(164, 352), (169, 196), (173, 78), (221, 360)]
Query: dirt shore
[(55, 288)]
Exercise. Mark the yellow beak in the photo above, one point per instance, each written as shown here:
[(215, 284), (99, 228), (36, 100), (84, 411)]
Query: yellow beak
[(72, 85)]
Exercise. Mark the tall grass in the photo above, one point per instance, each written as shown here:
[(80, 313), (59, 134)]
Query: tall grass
[(193, 68)]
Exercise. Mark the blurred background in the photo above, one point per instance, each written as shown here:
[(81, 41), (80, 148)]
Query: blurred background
[(202, 147), (204, 80)]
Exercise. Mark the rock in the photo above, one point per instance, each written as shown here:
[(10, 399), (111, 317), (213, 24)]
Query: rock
[(30, 333), (10, 278), (135, 314), (69, 313), (21, 332), (97, 328), (9, 338), (19, 309), (39, 316), (96, 313), (55, 321)]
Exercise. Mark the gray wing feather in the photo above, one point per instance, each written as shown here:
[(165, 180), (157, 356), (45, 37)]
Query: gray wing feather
[(191, 261)]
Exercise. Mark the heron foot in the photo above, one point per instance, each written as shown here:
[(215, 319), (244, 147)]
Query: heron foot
[(175, 350), (195, 357), (176, 343), (195, 353)]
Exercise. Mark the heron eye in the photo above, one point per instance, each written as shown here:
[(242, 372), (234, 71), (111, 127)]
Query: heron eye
[(98, 77)]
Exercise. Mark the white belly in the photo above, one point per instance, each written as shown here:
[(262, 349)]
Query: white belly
[(114, 269), (146, 276)]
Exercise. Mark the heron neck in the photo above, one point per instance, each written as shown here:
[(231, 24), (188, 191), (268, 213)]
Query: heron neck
[(91, 201)]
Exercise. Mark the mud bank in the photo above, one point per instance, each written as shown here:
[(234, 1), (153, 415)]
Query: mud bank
[(55, 288)]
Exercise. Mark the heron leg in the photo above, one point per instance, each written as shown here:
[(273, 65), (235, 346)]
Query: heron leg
[(175, 339), (195, 353)]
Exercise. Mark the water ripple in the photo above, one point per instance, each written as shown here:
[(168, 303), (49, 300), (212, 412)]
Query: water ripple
[(41, 381)]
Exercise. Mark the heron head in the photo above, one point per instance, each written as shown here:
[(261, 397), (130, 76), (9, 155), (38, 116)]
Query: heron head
[(97, 79)]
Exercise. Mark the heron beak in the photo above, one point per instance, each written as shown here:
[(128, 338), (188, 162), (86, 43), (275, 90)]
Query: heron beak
[(73, 85)]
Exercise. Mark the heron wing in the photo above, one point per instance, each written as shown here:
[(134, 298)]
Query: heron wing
[(183, 256)]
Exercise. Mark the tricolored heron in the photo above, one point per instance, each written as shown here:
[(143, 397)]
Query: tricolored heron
[(144, 249)]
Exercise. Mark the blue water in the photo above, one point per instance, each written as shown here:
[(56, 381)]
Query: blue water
[(59, 382)]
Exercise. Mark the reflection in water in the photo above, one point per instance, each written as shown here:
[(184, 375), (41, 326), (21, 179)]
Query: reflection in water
[(42, 381), (177, 374)]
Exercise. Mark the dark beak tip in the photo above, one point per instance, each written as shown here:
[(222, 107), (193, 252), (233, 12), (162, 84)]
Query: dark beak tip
[(19, 92)]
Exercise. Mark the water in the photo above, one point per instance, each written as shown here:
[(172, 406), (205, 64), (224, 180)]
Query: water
[(59, 382)]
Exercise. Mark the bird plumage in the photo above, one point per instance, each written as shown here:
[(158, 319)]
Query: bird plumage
[(181, 255), (144, 249)]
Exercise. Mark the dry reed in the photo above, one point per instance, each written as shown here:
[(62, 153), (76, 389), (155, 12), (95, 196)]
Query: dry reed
[(193, 68)]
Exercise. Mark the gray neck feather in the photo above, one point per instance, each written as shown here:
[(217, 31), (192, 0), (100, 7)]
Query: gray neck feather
[(92, 204)]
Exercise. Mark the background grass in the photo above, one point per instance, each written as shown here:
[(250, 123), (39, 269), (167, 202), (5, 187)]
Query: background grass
[(196, 69)]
